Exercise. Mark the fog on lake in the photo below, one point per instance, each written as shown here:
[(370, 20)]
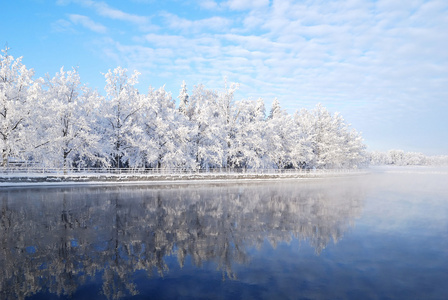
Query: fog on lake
[(383, 235)]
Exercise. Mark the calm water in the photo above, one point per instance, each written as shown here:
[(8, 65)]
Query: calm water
[(379, 236)]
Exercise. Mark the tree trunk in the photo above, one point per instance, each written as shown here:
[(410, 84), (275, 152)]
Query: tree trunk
[(65, 155), (4, 158)]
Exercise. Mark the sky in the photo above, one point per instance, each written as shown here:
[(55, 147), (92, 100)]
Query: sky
[(382, 64)]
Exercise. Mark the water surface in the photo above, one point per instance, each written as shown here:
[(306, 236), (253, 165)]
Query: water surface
[(378, 236)]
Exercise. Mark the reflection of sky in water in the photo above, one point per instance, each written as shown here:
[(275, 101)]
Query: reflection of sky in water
[(382, 236)]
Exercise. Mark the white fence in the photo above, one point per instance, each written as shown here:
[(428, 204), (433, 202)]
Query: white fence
[(168, 171)]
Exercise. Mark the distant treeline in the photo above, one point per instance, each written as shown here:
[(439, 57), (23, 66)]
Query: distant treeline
[(59, 122), (402, 158)]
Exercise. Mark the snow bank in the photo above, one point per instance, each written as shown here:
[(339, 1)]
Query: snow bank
[(25, 179)]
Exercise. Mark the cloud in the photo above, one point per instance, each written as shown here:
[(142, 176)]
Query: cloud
[(180, 42), (63, 26), (238, 5), (214, 23), (246, 4), (208, 4), (144, 1), (63, 2), (87, 23), (105, 10)]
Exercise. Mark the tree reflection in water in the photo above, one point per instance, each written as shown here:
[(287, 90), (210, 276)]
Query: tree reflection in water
[(55, 239)]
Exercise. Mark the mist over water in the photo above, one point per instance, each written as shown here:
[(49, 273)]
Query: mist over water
[(377, 236)]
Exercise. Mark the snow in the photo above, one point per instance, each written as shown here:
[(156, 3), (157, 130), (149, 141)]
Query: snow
[(27, 179)]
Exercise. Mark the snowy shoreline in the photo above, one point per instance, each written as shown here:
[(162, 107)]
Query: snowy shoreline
[(24, 179), (86, 178)]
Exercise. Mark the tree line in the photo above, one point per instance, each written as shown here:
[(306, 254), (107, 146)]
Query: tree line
[(398, 157), (59, 122)]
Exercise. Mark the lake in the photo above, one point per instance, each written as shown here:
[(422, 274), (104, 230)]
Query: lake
[(377, 236)]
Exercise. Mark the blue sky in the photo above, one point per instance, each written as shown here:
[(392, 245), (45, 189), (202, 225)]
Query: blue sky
[(382, 64)]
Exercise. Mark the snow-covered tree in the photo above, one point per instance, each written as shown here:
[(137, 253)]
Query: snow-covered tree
[(248, 147), (227, 116), (119, 116), (165, 132), (355, 154), (303, 140), (18, 91), (206, 135), (438, 160), (415, 158), (280, 136), (68, 122), (260, 143), (399, 157), (183, 98), (328, 140), (276, 110), (396, 157), (377, 158)]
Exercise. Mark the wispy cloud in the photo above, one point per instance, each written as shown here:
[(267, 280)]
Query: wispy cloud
[(246, 4), (62, 25), (239, 5), (87, 23), (208, 4), (105, 10), (213, 23)]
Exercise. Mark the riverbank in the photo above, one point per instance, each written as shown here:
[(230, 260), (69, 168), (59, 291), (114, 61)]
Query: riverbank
[(22, 179)]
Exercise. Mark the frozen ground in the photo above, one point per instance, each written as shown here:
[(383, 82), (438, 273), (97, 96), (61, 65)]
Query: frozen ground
[(27, 179), (51, 179)]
